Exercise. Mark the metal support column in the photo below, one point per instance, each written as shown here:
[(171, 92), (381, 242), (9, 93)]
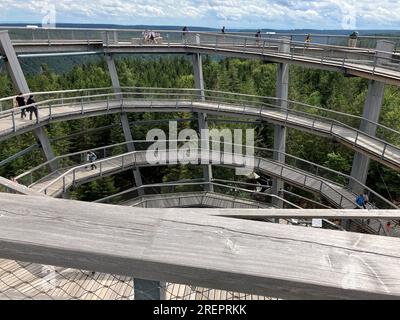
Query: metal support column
[(112, 69), (124, 118), (282, 91), (202, 117), (149, 290), (20, 85), (372, 110)]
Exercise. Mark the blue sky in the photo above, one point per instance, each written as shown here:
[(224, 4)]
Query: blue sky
[(274, 14)]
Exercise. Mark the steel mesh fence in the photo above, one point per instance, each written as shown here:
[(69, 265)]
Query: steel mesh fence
[(29, 281)]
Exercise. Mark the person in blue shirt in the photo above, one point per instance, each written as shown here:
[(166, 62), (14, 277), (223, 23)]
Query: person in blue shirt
[(362, 201)]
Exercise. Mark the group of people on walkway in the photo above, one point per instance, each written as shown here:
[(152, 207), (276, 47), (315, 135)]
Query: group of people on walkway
[(26, 106), (151, 36)]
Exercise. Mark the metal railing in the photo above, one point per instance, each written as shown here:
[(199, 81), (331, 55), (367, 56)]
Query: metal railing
[(42, 33), (338, 55), (169, 191), (218, 101), (239, 195), (68, 96), (128, 160)]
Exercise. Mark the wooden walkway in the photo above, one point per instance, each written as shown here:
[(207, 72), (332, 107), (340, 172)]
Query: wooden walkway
[(359, 64), (200, 250), (378, 150), (55, 183)]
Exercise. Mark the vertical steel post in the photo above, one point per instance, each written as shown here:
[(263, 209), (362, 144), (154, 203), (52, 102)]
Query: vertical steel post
[(20, 85), (124, 117), (202, 117), (282, 89), (371, 113)]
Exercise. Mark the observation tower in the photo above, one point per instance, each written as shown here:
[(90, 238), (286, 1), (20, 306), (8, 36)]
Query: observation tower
[(207, 238)]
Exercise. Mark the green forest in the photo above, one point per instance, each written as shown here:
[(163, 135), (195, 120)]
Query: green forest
[(328, 90)]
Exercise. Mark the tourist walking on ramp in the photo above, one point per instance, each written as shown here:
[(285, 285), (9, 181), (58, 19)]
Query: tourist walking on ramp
[(308, 39), (20, 103), (185, 31), (32, 108), (360, 201), (91, 157), (367, 205), (258, 36)]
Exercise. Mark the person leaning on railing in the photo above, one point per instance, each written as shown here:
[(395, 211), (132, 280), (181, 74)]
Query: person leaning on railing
[(258, 36), (307, 39), (353, 39)]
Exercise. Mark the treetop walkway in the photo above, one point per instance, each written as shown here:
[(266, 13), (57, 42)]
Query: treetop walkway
[(227, 244), (327, 182), (75, 104), (363, 62)]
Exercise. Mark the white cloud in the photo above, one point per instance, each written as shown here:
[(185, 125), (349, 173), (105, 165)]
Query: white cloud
[(324, 14)]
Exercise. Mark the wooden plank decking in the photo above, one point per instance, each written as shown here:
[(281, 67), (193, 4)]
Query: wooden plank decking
[(228, 254)]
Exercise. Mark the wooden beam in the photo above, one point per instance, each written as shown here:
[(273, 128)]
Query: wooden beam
[(18, 188), (162, 244)]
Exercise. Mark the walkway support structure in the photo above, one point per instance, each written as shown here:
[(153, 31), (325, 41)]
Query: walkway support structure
[(124, 117), (372, 110), (282, 92), (20, 85), (144, 289), (203, 121)]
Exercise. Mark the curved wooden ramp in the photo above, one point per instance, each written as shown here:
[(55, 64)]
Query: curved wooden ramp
[(193, 199), (381, 151), (57, 182), (354, 61)]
